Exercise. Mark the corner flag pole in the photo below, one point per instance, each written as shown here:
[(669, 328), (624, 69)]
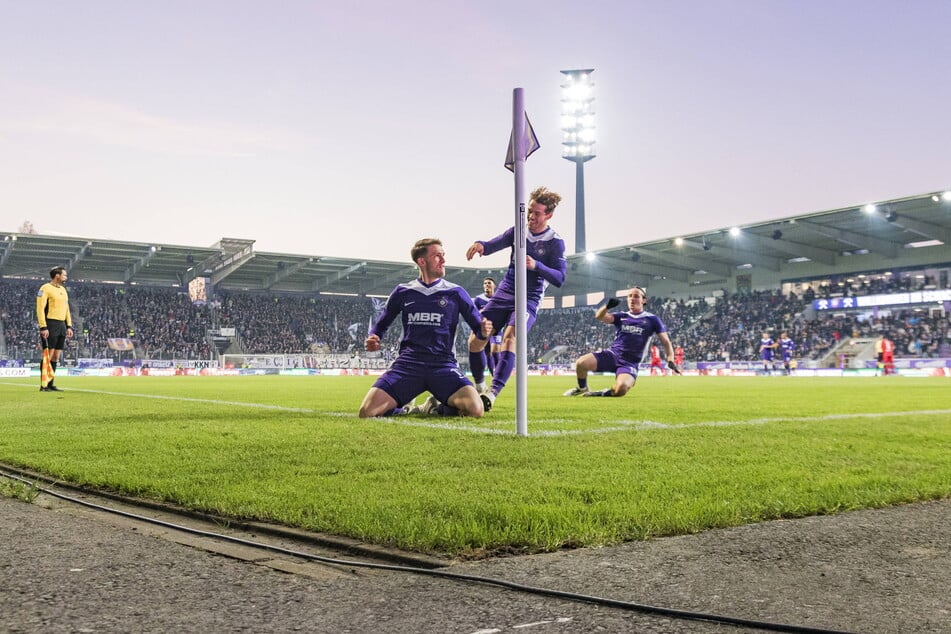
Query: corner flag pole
[(520, 147)]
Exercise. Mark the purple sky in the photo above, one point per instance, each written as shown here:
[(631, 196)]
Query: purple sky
[(356, 129)]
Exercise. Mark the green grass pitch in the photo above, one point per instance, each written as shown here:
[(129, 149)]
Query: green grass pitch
[(676, 455)]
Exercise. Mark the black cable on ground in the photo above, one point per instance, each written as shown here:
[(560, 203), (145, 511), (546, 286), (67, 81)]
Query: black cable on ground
[(571, 596)]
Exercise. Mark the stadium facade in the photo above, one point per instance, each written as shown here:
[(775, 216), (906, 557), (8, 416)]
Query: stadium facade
[(899, 235), (807, 254)]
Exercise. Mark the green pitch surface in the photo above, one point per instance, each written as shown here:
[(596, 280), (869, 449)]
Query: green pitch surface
[(676, 455)]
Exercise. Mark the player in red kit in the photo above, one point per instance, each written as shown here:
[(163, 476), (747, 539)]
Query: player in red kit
[(656, 364)]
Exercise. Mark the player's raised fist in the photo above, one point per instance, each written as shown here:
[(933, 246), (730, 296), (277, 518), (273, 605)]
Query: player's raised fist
[(372, 343)]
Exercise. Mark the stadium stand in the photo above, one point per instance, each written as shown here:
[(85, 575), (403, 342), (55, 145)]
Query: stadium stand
[(165, 324), (716, 290)]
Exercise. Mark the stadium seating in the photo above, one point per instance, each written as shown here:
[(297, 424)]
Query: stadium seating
[(165, 324)]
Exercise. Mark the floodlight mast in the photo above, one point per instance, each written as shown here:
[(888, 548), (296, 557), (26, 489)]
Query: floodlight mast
[(577, 126)]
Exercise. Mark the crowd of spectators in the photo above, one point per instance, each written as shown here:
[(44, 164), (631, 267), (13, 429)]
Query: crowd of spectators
[(18, 316), (282, 324), (164, 323), (730, 328), (870, 285)]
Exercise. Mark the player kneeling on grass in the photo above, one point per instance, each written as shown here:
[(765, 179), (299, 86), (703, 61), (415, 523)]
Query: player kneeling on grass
[(633, 331), (430, 308)]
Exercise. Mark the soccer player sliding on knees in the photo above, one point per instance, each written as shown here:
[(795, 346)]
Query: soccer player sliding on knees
[(633, 331)]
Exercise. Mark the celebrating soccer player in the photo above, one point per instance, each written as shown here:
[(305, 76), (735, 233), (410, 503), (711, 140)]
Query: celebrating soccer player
[(786, 348), (488, 357), (430, 308), (766, 347), (633, 330), (545, 264)]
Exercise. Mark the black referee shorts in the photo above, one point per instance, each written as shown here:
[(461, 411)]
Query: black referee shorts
[(57, 336)]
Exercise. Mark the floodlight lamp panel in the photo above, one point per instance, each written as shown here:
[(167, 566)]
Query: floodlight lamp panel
[(579, 92)]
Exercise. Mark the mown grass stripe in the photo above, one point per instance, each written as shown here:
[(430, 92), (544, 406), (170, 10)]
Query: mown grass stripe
[(186, 399)]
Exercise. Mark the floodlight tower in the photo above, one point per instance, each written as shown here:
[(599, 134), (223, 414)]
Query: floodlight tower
[(577, 125)]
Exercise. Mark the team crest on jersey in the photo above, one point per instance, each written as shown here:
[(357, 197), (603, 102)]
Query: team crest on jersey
[(443, 302), (39, 293)]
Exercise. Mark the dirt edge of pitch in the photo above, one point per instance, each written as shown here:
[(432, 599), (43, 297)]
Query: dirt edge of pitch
[(214, 523)]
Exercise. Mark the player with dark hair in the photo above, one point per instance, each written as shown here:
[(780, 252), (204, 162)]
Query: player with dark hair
[(430, 308), (633, 330), (56, 325), (488, 358), (766, 347), (786, 348), (545, 264)]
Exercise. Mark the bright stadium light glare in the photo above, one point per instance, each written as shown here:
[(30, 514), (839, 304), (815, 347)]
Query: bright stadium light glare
[(578, 127), (734, 231), (679, 242), (946, 195), (590, 256), (869, 208)]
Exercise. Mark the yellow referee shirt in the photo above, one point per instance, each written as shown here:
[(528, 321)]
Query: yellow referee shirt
[(52, 302)]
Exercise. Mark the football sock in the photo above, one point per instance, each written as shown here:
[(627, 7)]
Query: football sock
[(583, 383), (396, 411), (503, 371), (491, 360), (607, 392), (477, 366)]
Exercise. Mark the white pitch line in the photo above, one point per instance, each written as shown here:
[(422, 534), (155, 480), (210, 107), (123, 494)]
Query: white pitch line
[(638, 425), (186, 399), (621, 425)]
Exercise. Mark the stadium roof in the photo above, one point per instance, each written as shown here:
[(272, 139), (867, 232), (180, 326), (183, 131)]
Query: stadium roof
[(893, 235)]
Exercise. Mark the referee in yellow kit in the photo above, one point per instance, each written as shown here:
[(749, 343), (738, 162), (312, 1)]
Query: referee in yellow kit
[(56, 326)]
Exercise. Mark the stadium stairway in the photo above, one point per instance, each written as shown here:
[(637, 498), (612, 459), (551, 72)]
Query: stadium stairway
[(553, 354), (851, 352)]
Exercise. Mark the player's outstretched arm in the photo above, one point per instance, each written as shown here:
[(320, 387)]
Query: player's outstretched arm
[(602, 315)]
